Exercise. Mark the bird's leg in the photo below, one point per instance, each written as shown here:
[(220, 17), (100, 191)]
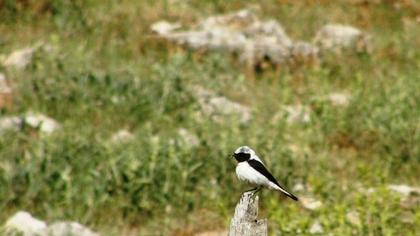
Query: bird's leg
[(257, 189), (252, 190)]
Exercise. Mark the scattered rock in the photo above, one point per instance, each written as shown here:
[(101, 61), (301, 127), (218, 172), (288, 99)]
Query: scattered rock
[(265, 41), (224, 106), (299, 187), (238, 19), (303, 51), (310, 203), (187, 138), (316, 228), (241, 32), (214, 33), (369, 191), (5, 92), (341, 36), (164, 27), (218, 107), (43, 123), (269, 28), (339, 99), (256, 41), (10, 124), (122, 136), (297, 114), (22, 223), (19, 58), (366, 190), (68, 229), (354, 218), (404, 190)]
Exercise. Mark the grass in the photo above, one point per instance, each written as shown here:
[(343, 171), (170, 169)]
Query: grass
[(107, 72)]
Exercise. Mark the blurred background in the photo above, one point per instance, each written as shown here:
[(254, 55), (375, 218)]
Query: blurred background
[(120, 115)]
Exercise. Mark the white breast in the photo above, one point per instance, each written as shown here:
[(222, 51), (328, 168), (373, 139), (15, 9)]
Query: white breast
[(246, 173)]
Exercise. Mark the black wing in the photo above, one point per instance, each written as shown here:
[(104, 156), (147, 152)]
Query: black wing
[(258, 166)]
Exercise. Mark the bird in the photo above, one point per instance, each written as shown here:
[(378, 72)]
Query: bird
[(251, 169)]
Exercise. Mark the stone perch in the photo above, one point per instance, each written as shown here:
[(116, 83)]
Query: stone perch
[(245, 222)]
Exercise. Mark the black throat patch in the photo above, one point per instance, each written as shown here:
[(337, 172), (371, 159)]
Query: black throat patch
[(241, 157)]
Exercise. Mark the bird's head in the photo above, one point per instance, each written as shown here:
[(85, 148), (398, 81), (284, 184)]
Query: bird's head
[(243, 153)]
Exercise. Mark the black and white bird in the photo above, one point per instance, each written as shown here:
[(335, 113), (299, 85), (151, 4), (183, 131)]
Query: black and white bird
[(252, 170)]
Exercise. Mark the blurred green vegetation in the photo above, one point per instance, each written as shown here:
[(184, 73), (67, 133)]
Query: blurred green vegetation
[(107, 72)]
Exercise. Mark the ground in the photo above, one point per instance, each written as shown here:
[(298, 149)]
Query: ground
[(102, 70)]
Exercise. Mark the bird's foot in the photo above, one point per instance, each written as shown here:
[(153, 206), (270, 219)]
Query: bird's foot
[(251, 190), (254, 190)]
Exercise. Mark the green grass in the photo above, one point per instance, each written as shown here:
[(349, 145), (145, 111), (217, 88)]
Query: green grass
[(107, 72)]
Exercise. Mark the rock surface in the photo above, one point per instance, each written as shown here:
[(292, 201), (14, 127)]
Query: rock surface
[(122, 136), (187, 138), (316, 228), (5, 92), (310, 203), (23, 224), (241, 32), (42, 122), (218, 107), (404, 190), (339, 99), (164, 27), (333, 36), (297, 113), (257, 41), (354, 218), (68, 229), (10, 123), (19, 59)]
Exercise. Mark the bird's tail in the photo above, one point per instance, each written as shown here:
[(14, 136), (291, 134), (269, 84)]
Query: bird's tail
[(285, 192)]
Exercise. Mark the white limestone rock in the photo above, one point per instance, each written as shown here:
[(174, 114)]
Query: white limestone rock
[(310, 203), (333, 36), (187, 138), (164, 27), (219, 107), (240, 32), (316, 228), (304, 51), (10, 123), (22, 223), (122, 136), (354, 218), (20, 58), (339, 99), (42, 122), (4, 86), (297, 114), (68, 229), (404, 190)]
